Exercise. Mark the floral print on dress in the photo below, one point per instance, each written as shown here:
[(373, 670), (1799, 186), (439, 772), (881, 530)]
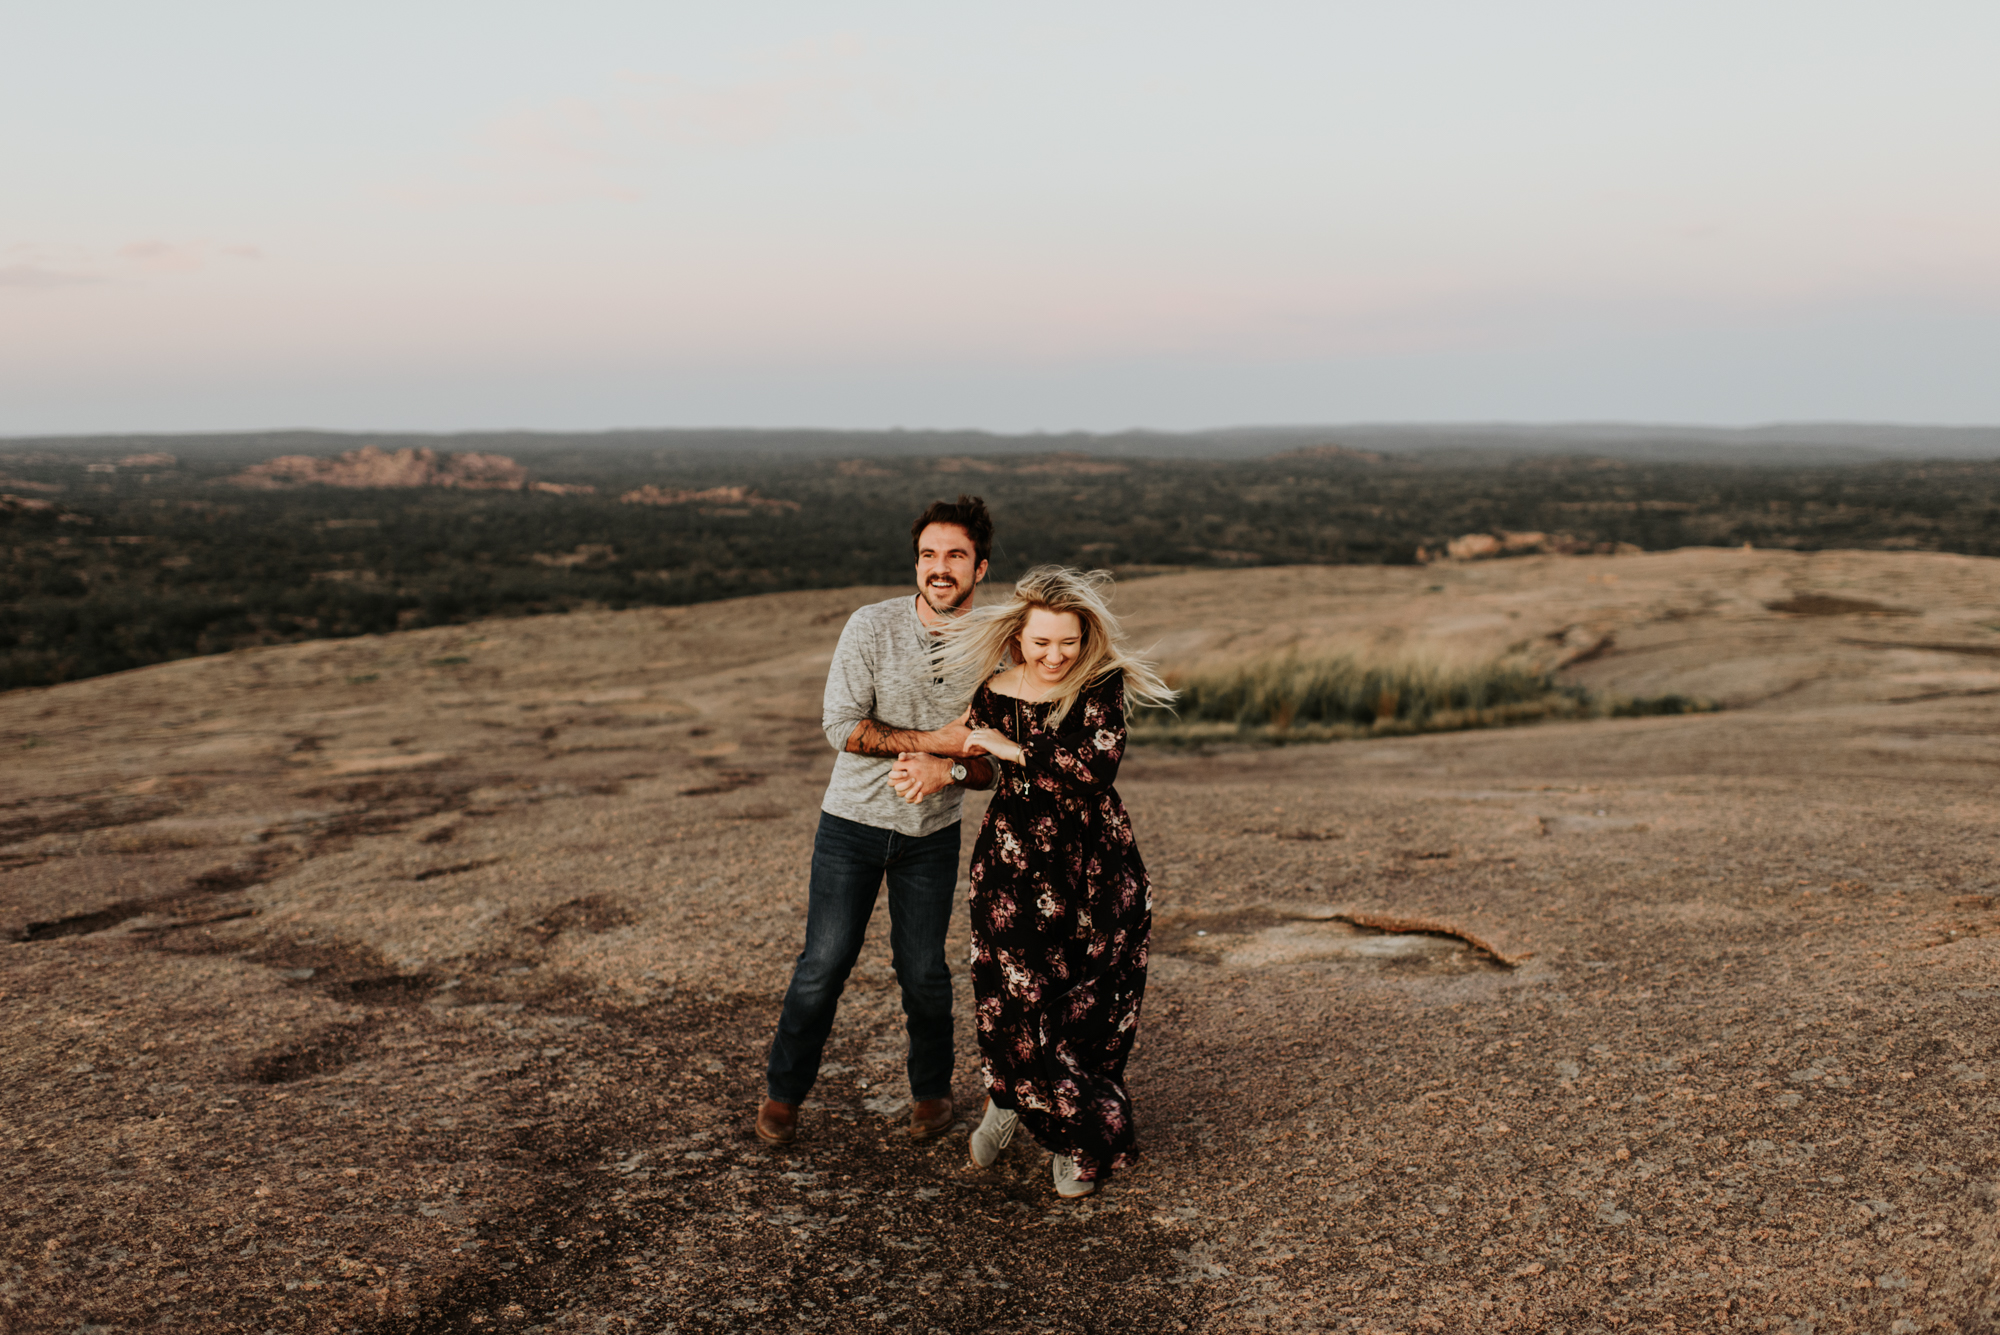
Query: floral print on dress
[(1062, 910)]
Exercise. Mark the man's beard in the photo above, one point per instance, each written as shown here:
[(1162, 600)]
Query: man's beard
[(947, 609)]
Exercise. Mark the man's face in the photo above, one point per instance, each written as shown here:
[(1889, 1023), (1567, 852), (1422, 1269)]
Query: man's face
[(948, 568)]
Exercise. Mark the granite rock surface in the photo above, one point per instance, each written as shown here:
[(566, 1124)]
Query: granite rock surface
[(421, 983)]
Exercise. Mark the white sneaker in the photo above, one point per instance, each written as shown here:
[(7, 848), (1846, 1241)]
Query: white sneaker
[(1067, 1185), (990, 1137)]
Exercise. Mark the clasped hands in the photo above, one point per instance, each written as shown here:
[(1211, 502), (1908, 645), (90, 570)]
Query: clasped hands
[(918, 774)]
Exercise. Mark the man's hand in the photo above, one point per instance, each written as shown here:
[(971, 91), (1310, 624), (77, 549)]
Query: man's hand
[(916, 775)]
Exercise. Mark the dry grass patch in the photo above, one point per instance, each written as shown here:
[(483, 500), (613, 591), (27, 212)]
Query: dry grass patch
[(1291, 697)]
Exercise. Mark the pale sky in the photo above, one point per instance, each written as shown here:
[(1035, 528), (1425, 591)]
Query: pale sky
[(420, 215)]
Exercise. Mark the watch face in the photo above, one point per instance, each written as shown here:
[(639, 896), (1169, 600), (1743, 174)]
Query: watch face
[(958, 773)]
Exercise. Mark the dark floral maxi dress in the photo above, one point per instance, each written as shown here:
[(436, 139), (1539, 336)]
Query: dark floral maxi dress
[(1061, 914)]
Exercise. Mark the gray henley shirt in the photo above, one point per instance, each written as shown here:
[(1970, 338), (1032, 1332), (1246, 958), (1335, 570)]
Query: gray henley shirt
[(882, 670)]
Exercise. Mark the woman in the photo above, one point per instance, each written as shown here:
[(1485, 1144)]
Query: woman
[(1061, 905)]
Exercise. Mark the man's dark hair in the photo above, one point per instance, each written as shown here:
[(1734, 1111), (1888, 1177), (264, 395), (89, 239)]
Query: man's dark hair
[(968, 513)]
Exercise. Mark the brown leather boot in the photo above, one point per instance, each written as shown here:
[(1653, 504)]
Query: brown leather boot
[(778, 1122), (930, 1116)]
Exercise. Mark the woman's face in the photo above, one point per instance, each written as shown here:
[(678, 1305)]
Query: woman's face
[(1050, 642)]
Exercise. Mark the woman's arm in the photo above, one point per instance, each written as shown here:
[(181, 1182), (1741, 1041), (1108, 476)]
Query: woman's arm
[(986, 738), (995, 743)]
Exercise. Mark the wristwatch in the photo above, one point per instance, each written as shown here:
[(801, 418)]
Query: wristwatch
[(958, 771)]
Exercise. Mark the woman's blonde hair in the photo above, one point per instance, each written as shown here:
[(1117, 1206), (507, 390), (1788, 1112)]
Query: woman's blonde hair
[(985, 640)]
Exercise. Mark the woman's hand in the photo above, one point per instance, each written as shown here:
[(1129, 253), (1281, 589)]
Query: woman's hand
[(990, 742)]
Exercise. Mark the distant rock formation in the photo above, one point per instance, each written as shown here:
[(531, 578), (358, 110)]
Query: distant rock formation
[(11, 505), (1486, 546), (586, 553), (1507, 542), (714, 500), (372, 467)]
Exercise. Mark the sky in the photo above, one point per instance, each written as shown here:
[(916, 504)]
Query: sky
[(434, 215)]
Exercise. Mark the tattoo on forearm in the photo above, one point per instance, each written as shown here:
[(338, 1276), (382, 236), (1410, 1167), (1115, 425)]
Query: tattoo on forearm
[(870, 738)]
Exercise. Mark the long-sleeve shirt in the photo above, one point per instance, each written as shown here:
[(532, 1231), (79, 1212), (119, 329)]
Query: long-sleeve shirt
[(883, 670)]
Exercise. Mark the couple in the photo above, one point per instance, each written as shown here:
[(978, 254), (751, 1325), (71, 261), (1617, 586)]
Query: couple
[(927, 696)]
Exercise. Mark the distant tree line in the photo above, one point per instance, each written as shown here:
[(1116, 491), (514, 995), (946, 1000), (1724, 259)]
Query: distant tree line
[(108, 570)]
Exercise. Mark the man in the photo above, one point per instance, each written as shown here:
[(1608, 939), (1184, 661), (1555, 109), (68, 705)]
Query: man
[(898, 733)]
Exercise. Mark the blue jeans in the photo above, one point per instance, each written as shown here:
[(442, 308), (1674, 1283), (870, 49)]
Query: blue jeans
[(848, 865)]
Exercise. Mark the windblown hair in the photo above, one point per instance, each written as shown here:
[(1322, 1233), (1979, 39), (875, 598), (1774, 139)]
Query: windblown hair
[(987, 639)]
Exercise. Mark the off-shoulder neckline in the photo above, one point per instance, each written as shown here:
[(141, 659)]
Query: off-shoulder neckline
[(1017, 699)]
